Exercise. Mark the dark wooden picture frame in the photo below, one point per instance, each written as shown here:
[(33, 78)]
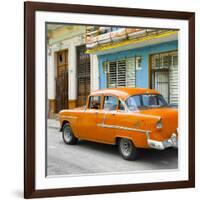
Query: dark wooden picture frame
[(30, 9)]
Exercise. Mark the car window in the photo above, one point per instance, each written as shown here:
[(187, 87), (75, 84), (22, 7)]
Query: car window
[(145, 101), (149, 100), (137, 100), (161, 101), (110, 103), (134, 102), (121, 106), (95, 102), (153, 100)]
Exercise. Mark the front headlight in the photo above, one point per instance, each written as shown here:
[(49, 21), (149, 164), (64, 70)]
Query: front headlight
[(159, 124)]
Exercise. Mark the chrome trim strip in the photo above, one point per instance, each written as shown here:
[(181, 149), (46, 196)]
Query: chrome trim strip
[(122, 128)]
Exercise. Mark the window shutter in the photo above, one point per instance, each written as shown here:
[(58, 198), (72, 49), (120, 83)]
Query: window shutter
[(174, 79), (130, 72), (121, 73), (112, 74)]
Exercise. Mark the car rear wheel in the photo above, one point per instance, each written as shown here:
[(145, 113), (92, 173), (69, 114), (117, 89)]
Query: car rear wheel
[(127, 149), (67, 135)]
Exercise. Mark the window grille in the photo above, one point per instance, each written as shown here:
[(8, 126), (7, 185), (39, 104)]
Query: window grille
[(121, 73), (165, 77)]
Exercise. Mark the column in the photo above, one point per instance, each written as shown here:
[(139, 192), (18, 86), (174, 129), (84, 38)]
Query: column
[(72, 82), (94, 68), (51, 83)]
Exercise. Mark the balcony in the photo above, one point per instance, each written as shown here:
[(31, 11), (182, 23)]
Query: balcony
[(99, 38)]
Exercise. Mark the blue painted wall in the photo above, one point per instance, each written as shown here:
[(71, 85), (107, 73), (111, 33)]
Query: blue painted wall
[(141, 75)]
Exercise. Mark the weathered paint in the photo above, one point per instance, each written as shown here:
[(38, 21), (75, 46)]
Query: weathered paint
[(70, 45), (136, 40)]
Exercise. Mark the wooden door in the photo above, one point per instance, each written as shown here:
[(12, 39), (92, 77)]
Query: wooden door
[(83, 75), (62, 81)]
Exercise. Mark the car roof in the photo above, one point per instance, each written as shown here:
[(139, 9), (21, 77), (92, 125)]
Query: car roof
[(123, 93)]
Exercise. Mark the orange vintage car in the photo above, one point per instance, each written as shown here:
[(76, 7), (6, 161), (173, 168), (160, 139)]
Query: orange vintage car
[(131, 118)]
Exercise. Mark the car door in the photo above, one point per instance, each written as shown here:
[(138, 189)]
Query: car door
[(87, 121), (106, 119)]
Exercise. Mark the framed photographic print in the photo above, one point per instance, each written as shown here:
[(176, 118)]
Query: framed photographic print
[(109, 100)]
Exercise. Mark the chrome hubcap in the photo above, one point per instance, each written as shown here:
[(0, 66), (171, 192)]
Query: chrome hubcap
[(67, 134), (126, 147)]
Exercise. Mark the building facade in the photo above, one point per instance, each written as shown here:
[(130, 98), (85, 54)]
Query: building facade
[(66, 61), (82, 59), (147, 59)]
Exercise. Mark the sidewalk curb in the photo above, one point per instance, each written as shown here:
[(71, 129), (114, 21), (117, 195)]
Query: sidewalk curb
[(52, 123)]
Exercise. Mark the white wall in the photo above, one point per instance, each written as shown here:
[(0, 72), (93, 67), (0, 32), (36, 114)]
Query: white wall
[(51, 75), (94, 79), (72, 72), (11, 101)]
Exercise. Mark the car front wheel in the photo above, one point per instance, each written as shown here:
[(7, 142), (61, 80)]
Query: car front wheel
[(127, 149), (68, 136)]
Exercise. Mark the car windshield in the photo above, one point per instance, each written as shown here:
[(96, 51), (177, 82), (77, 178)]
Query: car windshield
[(145, 101)]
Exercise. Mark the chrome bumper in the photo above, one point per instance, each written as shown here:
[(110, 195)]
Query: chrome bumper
[(160, 145)]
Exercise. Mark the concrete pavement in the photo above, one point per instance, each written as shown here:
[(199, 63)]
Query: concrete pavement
[(89, 157)]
